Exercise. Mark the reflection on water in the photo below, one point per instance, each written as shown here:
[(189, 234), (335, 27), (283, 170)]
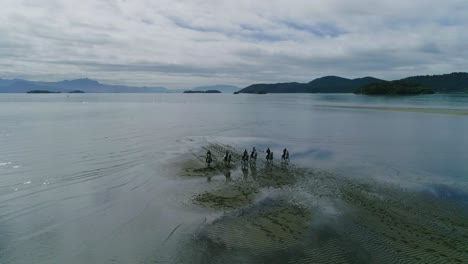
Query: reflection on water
[(253, 170), (90, 182), (245, 173), (227, 174)]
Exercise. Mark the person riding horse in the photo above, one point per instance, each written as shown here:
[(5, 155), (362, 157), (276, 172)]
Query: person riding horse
[(285, 156), (209, 158), (245, 157), (269, 156), (253, 155), (227, 157)]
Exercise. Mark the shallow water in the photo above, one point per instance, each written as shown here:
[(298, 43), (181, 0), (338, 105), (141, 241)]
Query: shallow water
[(96, 178)]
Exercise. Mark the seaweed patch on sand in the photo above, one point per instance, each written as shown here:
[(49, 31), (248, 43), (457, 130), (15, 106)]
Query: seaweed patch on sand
[(231, 197), (193, 163), (285, 214), (402, 225)]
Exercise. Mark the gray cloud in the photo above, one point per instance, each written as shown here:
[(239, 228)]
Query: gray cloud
[(189, 43)]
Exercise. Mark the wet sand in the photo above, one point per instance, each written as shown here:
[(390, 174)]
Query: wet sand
[(405, 109), (279, 213)]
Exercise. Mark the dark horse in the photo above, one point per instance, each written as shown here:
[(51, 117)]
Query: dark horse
[(285, 156), (209, 158), (245, 158), (269, 156), (253, 156)]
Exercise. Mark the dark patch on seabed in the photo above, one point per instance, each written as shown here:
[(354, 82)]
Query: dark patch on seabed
[(317, 217)]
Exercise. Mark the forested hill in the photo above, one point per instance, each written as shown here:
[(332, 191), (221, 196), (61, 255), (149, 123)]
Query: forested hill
[(445, 83), (328, 84), (335, 84), (393, 88)]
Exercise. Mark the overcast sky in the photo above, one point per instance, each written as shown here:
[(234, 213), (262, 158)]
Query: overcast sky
[(180, 44)]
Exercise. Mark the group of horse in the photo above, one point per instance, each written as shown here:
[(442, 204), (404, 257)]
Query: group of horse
[(246, 157)]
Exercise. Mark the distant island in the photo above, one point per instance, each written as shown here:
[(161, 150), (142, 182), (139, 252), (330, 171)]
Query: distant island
[(189, 91), (445, 83), (76, 91), (394, 88), (208, 91), (218, 87), (41, 92)]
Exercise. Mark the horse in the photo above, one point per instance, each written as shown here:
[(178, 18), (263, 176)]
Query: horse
[(227, 158), (245, 159), (269, 157), (253, 156), (208, 159), (285, 156)]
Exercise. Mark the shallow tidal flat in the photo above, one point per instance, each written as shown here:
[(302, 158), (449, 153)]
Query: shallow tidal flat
[(279, 213), (121, 178)]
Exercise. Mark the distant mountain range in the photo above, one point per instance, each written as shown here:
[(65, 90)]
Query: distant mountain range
[(93, 86), (445, 83), (85, 85)]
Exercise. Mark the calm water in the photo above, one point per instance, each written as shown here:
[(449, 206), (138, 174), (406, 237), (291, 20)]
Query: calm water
[(84, 178)]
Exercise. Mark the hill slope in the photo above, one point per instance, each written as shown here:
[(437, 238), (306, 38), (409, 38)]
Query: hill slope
[(393, 88), (445, 83), (335, 84), (5, 82), (327, 84)]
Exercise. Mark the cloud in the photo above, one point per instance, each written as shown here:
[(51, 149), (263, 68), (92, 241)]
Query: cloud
[(181, 44)]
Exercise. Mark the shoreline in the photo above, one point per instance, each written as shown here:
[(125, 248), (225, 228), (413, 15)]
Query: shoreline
[(444, 111)]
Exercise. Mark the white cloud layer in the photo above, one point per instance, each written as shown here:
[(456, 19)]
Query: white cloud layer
[(182, 44)]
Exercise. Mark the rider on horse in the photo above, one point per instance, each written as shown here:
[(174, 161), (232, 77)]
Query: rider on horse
[(245, 157), (285, 155), (208, 157), (269, 155), (253, 154), (227, 156)]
